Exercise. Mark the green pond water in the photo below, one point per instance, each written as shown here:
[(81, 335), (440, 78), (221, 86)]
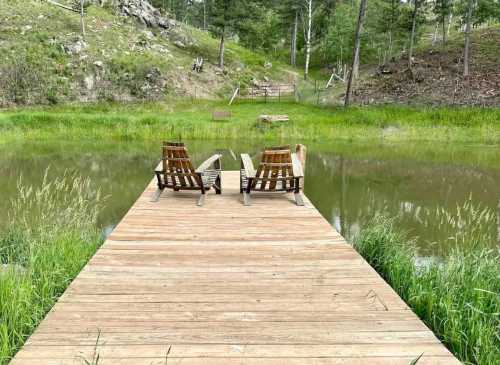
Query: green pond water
[(348, 182)]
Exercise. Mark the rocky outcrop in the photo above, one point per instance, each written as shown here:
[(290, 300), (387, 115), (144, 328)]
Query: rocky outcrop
[(146, 13)]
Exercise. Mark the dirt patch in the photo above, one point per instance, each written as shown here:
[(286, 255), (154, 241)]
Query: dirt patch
[(436, 77)]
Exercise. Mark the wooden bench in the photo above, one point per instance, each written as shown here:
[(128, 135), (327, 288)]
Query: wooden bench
[(221, 115)]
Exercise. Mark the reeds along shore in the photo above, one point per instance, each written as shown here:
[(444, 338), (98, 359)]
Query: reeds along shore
[(52, 233), (458, 296)]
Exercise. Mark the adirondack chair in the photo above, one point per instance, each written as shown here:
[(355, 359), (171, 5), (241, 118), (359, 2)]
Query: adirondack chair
[(279, 170), (177, 172)]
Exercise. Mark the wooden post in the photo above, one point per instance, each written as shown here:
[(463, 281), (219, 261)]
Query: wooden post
[(301, 151), (236, 92)]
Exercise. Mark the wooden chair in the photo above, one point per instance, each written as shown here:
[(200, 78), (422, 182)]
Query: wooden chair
[(279, 170), (177, 172)]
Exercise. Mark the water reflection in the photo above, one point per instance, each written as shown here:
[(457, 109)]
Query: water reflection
[(349, 183)]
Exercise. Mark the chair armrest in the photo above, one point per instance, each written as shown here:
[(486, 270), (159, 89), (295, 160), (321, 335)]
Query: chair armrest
[(296, 166), (207, 163), (247, 165), (159, 167)]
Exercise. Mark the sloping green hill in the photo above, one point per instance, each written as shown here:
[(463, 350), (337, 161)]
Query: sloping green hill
[(45, 59)]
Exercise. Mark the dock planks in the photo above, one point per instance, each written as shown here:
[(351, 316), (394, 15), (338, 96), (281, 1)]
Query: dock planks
[(268, 284)]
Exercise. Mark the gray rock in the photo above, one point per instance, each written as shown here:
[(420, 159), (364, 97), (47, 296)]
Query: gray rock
[(179, 44), (143, 11), (74, 48), (148, 34), (89, 82)]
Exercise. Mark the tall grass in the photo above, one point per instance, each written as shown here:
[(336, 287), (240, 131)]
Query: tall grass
[(194, 121), (457, 297), (52, 233)]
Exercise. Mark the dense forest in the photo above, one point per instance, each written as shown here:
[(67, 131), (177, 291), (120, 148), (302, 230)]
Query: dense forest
[(321, 32), (412, 51)]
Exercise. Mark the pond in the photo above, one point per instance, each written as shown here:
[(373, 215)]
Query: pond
[(427, 187)]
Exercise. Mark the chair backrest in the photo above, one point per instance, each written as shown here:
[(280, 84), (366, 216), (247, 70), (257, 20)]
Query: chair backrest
[(275, 170), (177, 166)]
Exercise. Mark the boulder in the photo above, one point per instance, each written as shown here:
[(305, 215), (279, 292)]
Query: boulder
[(146, 13), (75, 47), (89, 82)]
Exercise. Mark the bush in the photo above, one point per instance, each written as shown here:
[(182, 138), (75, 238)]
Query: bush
[(18, 81)]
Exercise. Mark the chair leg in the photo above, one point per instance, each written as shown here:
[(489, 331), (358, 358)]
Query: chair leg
[(298, 199), (218, 185), (246, 199), (201, 200), (156, 195)]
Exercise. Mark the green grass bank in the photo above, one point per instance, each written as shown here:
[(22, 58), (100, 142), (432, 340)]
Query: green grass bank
[(457, 297), (193, 120), (53, 233)]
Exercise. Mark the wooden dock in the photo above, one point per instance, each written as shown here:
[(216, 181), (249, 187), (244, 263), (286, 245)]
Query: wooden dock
[(272, 283)]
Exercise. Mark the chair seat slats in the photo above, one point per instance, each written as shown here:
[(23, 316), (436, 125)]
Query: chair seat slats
[(276, 164), (181, 159), (178, 173)]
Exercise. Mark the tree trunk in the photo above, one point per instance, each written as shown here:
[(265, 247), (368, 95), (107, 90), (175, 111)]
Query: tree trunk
[(82, 22), (434, 38), (355, 52), (389, 51), (204, 14), (450, 18), (293, 56), (221, 51), (412, 35), (467, 38), (308, 38), (443, 23)]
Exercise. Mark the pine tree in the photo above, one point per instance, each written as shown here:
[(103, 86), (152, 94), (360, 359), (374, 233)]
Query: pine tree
[(225, 15)]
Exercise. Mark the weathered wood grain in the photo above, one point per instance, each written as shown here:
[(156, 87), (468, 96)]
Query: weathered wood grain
[(266, 284)]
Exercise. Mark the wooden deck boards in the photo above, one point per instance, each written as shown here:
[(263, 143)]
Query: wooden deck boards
[(268, 284)]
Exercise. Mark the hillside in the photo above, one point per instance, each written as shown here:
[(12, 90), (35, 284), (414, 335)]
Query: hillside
[(436, 78), (121, 58), (133, 52)]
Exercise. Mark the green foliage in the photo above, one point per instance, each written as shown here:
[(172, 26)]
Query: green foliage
[(339, 40), (225, 16), (194, 120), (261, 30), (131, 72), (458, 298), (52, 233)]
